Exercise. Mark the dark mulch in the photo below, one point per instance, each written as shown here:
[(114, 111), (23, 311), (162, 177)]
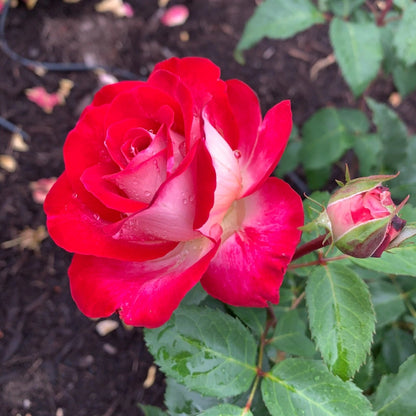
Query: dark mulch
[(51, 357)]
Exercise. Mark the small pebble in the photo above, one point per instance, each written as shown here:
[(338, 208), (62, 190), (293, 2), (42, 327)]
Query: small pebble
[(106, 326), (110, 349)]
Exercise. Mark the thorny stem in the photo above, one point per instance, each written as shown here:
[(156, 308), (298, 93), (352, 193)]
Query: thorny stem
[(320, 261), (270, 323), (310, 246), (382, 16)]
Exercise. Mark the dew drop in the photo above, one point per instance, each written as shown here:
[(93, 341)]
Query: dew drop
[(147, 193), (75, 195), (192, 198), (97, 217), (237, 154), (185, 201)]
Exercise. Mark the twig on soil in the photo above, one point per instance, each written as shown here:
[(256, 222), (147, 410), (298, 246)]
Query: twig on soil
[(13, 128)]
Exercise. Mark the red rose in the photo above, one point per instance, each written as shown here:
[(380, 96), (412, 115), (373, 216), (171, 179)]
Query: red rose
[(166, 184), (362, 217)]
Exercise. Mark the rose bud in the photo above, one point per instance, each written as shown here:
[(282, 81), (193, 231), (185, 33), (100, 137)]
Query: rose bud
[(363, 218)]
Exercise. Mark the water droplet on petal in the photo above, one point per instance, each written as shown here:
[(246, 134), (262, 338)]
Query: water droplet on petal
[(237, 154), (75, 195), (192, 198), (97, 217), (185, 201), (147, 193)]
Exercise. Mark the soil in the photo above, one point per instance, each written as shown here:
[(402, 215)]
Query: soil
[(52, 360)]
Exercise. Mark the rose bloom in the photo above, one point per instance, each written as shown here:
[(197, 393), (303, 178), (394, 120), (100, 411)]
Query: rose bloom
[(363, 217), (166, 184)]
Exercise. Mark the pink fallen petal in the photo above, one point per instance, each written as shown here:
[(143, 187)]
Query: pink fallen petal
[(43, 99), (40, 189), (127, 10), (175, 16)]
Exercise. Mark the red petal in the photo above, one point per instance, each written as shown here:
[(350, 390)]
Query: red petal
[(95, 182), (172, 84), (266, 148), (145, 294), (172, 213), (116, 136), (84, 146), (262, 233), (246, 110), (200, 75), (144, 102), (107, 94), (140, 181), (77, 229)]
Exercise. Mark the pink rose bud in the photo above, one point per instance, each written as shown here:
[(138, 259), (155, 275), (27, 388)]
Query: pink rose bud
[(363, 218), (175, 16)]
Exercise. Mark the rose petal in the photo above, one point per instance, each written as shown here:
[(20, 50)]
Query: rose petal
[(144, 293), (107, 94), (172, 212), (140, 181), (175, 16), (145, 102), (200, 75), (43, 99), (260, 237), (84, 146), (94, 180), (77, 229), (173, 85), (116, 136), (260, 145), (227, 172)]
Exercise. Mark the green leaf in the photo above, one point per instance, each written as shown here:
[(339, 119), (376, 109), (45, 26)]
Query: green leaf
[(225, 410), (279, 19), (368, 149), (387, 33), (317, 178), (396, 393), (290, 158), (364, 377), (405, 39), (387, 302), (149, 410), (393, 134), (404, 79), (341, 317), (254, 318), (298, 387), (181, 401), (195, 296), (289, 335), (397, 346), (397, 261), (208, 351), (344, 8), (328, 134), (358, 50), (402, 4)]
